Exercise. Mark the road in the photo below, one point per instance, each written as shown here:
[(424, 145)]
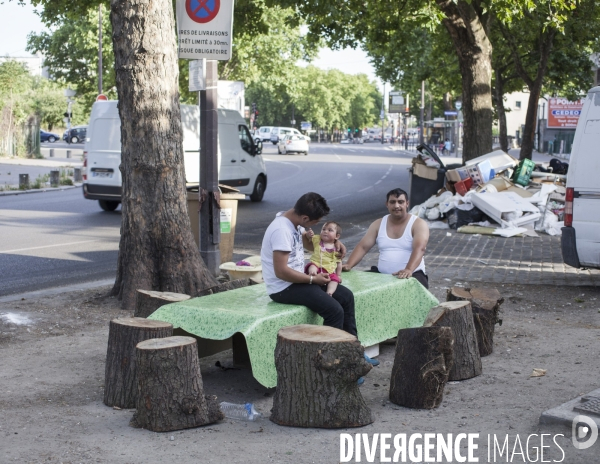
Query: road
[(56, 238)]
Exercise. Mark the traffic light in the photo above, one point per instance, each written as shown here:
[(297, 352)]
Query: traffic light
[(256, 115), (68, 115), (349, 130), (254, 107), (356, 131)]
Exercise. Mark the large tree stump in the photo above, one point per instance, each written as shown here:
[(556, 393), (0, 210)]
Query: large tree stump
[(170, 392), (148, 301), (422, 363), (485, 304), (458, 316), (120, 379), (223, 287), (317, 372)]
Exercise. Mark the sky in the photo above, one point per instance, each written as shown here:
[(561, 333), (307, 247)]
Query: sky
[(17, 21)]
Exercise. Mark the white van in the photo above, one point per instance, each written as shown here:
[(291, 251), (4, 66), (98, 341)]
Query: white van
[(240, 163), (263, 133), (581, 234)]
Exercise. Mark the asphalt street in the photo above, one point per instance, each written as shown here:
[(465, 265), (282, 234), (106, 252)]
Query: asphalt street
[(58, 238)]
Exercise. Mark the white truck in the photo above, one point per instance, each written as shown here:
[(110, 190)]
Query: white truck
[(581, 233), (240, 162)]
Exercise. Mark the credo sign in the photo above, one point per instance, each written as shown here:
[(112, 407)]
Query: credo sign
[(204, 29)]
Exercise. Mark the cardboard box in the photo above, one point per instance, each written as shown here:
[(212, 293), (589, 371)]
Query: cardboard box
[(496, 204), (421, 170), (481, 172), (456, 175)]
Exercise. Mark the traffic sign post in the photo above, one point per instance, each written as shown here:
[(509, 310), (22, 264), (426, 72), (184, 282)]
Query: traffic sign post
[(204, 33)]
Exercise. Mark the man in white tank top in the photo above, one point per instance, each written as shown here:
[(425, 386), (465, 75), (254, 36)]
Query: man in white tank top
[(401, 238)]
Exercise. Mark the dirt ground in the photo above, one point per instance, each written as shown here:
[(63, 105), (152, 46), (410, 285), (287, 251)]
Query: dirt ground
[(52, 353)]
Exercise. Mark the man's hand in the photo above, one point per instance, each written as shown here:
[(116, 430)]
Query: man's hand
[(403, 274), (321, 279), (346, 268), (340, 249)]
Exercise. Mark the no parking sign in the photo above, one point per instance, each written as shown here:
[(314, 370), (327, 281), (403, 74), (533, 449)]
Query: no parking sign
[(204, 29)]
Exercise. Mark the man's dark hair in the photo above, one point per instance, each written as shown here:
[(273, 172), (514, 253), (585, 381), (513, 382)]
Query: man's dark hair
[(396, 193), (312, 205)]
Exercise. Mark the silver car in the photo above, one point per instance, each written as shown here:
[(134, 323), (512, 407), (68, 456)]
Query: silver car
[(292, 143)]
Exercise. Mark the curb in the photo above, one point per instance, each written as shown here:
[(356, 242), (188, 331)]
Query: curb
[(50, 189), (56, 290)]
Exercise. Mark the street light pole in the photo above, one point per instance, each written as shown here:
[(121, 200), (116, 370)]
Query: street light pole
[(100, 49), (382, 112), (422, 121)]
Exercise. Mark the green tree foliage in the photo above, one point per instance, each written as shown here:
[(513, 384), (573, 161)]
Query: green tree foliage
[(71, 54)]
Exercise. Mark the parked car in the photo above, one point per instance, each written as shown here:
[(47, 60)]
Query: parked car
[(279, 132), (346, 140), (48, 136), (76, 134), (292, 143), (579, 241), (263, 133)]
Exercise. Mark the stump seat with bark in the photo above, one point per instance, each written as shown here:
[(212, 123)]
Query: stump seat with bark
[(458, 316), (120, 379), (148, 301), (485, 304), (422, 364), (383, 303), (170, 391), (317, 372)]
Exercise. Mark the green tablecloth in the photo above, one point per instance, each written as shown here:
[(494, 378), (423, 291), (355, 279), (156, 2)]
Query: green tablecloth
[(384, 304)]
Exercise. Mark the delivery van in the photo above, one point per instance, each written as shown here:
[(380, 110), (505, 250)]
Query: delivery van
[(581, 233), (240, 162)]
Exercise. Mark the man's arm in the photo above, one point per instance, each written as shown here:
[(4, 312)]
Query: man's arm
[(284, 272), (420, 233), (363, 247)]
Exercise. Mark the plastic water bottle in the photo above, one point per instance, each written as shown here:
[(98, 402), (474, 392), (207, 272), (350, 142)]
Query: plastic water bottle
[(245, 412)]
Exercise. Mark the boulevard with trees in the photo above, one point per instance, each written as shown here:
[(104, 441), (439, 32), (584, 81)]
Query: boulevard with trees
[(450, 44)]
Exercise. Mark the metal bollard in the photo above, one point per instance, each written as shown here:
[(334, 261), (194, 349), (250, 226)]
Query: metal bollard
[(52, 153), (23, 181), (77, 175), (54, 178), (68, 153)]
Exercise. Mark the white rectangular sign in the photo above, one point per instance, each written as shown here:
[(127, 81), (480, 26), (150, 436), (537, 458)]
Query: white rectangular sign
[(204, 29), (197, 77)]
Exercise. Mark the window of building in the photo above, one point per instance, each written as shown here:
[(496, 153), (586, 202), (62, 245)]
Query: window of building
[(517, 105)]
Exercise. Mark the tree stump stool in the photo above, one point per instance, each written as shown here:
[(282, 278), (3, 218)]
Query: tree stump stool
[(422, 363), (485, 304), (120, 378), (148, 301), (458, 316), (170, 391), (317, 372)]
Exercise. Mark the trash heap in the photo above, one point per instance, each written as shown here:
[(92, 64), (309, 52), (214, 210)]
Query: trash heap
[(497, 194)]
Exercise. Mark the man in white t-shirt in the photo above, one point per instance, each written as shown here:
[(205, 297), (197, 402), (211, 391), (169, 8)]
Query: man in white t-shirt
[(282, 260), (401, 238)]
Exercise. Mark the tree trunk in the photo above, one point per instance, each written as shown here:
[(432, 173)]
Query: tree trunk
[(485, 304), (467, 28), (422, 363), (120, 375), (149, 301), (170, 392), (499, 97), (459, 317), (317, 371), (157, 249)]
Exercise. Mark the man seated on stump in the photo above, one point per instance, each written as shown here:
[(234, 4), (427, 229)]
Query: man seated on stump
[(401, 238), (282, 260)]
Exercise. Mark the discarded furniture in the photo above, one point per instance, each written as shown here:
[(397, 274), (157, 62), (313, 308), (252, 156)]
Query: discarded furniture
[(459, 317), (148, 301), (120, 379), (422, 364), (171, 395), (317, 372), (485, 304), (384, 305)]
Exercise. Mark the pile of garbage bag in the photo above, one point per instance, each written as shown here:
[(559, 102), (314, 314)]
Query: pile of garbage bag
[(499, 195)]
